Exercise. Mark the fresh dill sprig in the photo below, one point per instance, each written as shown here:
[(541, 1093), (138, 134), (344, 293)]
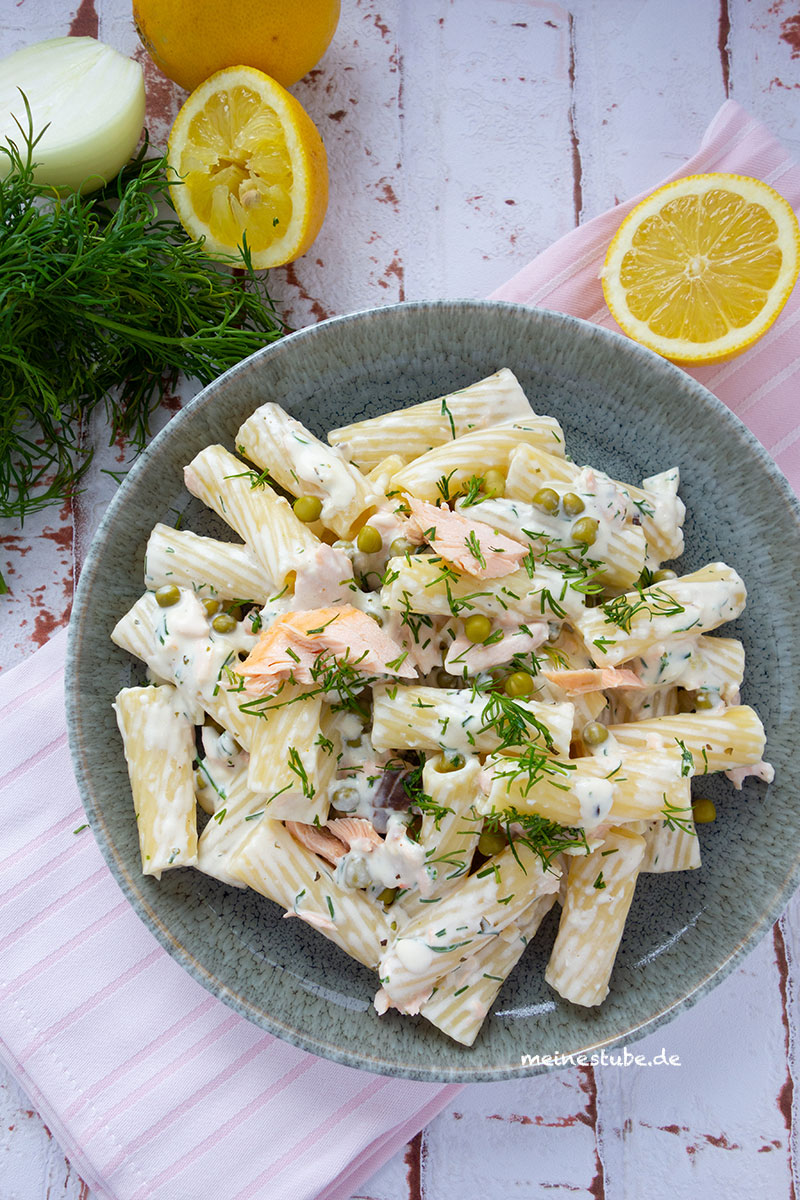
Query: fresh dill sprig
[(531, 766), (472, 491), (678, 817), (512, 723), (653, 603), (546, 838), (104, 301)]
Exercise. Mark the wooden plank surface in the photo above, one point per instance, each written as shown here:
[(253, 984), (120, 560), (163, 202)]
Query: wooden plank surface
[(465, 136)]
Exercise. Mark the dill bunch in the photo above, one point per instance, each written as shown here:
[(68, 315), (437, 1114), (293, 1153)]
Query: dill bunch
[(103, 301)]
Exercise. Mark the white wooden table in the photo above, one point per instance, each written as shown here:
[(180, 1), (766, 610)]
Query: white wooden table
[(464, 136)]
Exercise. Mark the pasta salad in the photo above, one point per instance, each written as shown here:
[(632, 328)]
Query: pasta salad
[(441, 683)]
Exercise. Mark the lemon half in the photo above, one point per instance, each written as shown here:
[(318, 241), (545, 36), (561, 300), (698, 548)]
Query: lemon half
[(700, 270), (248, 161)]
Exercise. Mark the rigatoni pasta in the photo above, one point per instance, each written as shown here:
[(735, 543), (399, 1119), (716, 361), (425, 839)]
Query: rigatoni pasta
[(441, 683)]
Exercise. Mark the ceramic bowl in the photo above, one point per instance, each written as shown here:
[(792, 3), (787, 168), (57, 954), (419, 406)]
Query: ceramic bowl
[(624, 410)]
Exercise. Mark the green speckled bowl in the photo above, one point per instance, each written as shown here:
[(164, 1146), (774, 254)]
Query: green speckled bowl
[(624, 410)]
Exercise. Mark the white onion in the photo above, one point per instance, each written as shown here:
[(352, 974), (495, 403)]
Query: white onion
[(90, 97)]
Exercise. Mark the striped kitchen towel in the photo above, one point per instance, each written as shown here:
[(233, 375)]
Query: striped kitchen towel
[(154, 1088)]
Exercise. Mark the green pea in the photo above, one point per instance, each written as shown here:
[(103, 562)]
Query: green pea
[(445, 680), (546, 499), (477, 628), (703, 700), (387, 896), (491, 843), (494, 483), (401, 546), (167, 596), (223, 623), (704, 810), (585, 531), (211, 606), (449, 761), (369, 541), (345, 798), (594, 734), (663, 574), (520, 683), (307, 509), (573, 505)]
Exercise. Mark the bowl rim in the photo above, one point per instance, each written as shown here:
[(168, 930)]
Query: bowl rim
[(309, 1041)]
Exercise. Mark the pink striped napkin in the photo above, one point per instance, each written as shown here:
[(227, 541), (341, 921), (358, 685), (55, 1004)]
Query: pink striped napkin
[(155, 1089)]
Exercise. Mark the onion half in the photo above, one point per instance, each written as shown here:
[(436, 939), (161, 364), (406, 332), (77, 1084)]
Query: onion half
[(90, 97)]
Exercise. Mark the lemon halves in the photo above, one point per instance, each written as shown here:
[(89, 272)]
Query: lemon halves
[(247, 162), (700, 270)]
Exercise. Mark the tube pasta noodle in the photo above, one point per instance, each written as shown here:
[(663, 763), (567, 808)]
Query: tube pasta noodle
[(272, 862), (670, 849), (159, 747), (631, 625), (262, 518), (448, 689), (474, 453), (409, 432), (425, 718), (461, 1002), (599, 892), (292, 760), (236, 807), (212, 567), (305, 466)]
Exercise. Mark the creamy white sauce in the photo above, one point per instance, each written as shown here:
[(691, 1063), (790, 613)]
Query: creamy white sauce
[(603, 501), (416, 956), (222, 762), (320, 470), (323, 578), (188, 652), (595, 797)]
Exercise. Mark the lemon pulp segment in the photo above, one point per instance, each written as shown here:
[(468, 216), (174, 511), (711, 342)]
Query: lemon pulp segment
[(236, 167)]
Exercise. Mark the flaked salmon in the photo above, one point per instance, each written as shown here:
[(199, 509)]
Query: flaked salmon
[(353, 830), (293, 643), (334, 840), (319, 840), (472, 546), (593, 679)]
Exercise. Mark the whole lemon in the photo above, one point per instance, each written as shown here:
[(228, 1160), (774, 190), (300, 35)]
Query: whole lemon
[(190, 42)]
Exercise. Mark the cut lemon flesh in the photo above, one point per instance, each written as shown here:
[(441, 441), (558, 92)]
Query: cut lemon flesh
[(700, 270), (248, 163)]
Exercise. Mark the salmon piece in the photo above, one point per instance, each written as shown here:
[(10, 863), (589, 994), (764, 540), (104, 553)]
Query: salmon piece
[(319, 840), (593, 679), (472, 546), (353, 829), (292, 644)]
